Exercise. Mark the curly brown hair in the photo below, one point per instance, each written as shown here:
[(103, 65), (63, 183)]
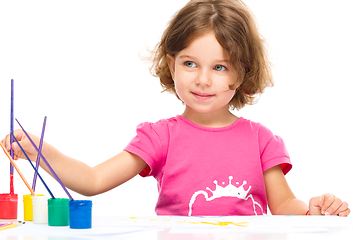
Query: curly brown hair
[(236, 31)]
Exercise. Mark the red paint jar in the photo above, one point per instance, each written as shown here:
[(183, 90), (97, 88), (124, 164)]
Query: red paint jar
[(8, 206)]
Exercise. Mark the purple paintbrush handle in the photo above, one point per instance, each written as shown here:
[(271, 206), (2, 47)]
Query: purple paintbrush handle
[(38, 156), (46, 162), (11, 125)]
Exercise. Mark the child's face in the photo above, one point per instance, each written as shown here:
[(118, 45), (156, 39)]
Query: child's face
[(202, 75)]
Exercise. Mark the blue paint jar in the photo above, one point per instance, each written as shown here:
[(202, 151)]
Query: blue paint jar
[(81, 214)]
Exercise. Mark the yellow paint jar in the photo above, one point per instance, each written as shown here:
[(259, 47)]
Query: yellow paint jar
[(28, 207)]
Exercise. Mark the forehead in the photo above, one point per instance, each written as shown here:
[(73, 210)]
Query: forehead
[(205, 46)]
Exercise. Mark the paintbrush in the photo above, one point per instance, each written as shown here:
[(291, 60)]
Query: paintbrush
[(46, 162), (17, 169)]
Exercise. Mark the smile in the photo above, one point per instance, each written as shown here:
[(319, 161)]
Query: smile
[(202, 96)]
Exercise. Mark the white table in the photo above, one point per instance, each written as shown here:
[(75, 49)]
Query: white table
[(189, 228)]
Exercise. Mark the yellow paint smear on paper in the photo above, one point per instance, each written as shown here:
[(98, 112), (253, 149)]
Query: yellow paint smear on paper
[(217, 223), (239, 224)]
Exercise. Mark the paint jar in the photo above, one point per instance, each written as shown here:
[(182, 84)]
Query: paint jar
[(58, 212), (28, 207), (8, 206), (40, 209), (81, 214)]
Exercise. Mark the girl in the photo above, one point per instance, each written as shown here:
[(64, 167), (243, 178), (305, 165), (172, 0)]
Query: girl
[(207, 161)]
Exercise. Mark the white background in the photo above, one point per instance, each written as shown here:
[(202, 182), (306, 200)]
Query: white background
[(78, 63)]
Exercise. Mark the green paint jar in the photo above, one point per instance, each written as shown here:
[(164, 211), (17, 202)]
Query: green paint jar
[(58, 212)]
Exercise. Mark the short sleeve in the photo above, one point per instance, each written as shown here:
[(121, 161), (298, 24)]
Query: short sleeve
[(149, 144), (273, 151)]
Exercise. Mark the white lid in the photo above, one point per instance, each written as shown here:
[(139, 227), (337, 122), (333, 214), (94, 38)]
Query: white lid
[(40, 200)]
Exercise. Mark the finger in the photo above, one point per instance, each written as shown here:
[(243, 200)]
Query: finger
[(321, 201), (335, 206), (3, 142), (343, 207), (19, 134), (315, 204), (328, 200), (6, 142), (17, 152), (344, 213)]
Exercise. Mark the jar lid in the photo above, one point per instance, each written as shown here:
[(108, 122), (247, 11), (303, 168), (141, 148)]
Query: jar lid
[(58, 202), (80, 203), (40, 199), (8, 197)]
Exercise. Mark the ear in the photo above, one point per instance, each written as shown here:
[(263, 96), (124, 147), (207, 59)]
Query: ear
[(171, 64)]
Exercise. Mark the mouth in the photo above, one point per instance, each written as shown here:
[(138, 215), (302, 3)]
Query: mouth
[(202, 96)]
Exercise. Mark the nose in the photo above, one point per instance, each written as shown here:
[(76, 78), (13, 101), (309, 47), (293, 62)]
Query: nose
[(203, 78)]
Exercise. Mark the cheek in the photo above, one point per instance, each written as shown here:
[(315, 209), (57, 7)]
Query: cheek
[(229, 94), (228, 87), (179, 88), (182, 81)]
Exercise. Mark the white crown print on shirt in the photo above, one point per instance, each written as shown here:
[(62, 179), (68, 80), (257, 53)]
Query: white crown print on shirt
[(227, 191)]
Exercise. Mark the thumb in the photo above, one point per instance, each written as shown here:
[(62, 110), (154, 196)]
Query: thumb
[(315, 205)]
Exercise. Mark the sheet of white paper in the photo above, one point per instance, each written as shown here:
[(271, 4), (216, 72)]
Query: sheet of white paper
[(126, 227)]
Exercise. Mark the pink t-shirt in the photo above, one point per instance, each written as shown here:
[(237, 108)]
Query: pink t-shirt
[(204, 171)]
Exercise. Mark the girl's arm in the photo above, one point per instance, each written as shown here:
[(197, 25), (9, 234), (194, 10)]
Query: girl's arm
[(90, 181), (282, 201), (77, 175), (280, 197)]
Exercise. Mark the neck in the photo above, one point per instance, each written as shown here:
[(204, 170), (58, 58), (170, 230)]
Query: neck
[(215, 119)]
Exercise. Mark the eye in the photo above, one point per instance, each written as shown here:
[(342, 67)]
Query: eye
[(220, 68), (190, 64)]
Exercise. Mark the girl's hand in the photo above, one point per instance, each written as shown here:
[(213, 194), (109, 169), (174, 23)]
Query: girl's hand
[(25, 144), (328, 204)]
